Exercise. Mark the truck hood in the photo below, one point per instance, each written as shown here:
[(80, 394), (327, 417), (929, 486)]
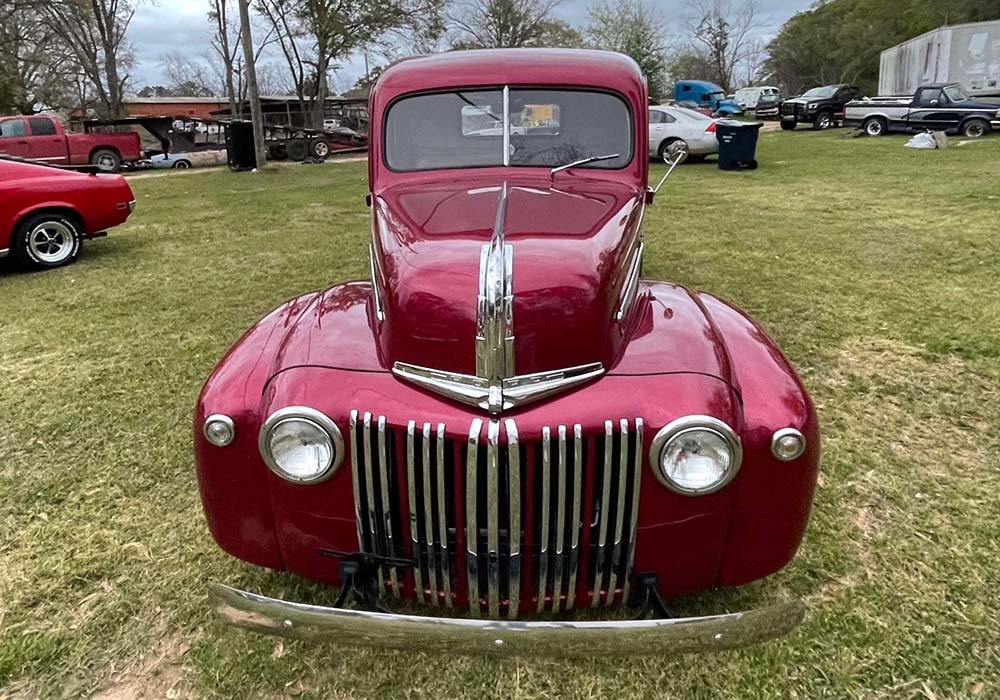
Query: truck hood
[(570, 240)]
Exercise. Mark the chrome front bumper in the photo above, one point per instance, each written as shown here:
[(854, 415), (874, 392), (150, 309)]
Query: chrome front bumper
[(553, 639)]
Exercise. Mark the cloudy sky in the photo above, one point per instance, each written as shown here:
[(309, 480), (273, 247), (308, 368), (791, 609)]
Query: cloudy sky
[(164, 26)]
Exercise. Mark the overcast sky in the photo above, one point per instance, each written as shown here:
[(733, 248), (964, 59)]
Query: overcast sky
[(182, 25)]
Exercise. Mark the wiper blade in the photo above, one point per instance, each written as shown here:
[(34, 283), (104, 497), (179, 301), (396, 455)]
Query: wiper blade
[(584, 161)]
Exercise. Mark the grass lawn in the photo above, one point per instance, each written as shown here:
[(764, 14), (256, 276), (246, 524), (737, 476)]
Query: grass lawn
[(874, 266)]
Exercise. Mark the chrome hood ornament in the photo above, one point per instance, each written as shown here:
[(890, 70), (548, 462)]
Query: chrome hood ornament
[(495, 387)]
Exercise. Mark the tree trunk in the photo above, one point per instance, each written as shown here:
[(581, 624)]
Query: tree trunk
[(251, 79)]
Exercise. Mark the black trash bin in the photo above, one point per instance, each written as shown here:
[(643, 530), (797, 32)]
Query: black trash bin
[(737, 144), (240, 151)]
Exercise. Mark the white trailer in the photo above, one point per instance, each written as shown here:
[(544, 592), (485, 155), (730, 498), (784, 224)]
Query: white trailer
[(966, 53)]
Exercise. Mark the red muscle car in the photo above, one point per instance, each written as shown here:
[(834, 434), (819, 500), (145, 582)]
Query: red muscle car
[(47, 212), (507, 419), (42, 138)]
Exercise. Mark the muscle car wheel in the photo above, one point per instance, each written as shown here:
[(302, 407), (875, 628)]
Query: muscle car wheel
[(874, 127), (47, 240), (106, 159), (975, 128)]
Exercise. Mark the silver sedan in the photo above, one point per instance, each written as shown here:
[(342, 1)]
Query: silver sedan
[(673, 130)]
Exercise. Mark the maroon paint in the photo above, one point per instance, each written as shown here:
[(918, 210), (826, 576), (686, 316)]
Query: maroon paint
[(677, 353)]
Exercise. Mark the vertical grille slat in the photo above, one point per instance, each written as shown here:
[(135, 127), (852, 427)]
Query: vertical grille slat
[(441, 516), (471, 519), (493, 518), (604, 516), (411, 492), (574, 552), (514, 489), (559, 513), (543, 540)]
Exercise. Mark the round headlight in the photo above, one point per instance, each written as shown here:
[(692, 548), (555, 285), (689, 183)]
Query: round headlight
[(788, 444), (696, 455), (301, 445), (219, 430)]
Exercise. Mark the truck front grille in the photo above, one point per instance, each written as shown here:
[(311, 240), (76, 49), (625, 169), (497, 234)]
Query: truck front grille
[(498, 518)]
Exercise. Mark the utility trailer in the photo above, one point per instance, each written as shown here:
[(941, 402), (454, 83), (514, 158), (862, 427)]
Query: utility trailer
[(968, 54)]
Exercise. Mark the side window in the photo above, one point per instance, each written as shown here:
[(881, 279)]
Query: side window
[(12, 127), (41, 126), (706, 97), (685, 88), (668, 118), (926, 98), (655, 117)]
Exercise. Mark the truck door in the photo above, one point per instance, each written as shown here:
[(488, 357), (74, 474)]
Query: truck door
[(930, 111), (14, 139), (46, 142)]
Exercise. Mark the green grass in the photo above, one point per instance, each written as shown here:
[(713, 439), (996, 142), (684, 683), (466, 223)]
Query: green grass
[(874, 266)]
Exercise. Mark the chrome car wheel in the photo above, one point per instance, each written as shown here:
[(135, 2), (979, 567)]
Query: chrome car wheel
[(52, 242)]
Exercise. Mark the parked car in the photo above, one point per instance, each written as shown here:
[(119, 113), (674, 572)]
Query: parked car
[(506, 418), (938, 107), (46, 212), (675, 130), (768, 107), (706, 95), (748, 97), (42, 137), (823, 107), (184, 160)]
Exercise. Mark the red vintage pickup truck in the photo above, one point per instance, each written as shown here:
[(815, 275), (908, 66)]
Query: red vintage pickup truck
[(41, 137)]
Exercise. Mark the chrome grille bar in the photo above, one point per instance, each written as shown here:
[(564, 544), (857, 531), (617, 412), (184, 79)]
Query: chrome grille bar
[(557, 584), (411, 491), (442, 516), (428, 549), (603, 516), (383, 461), (543, 552), (471, 521), (370, 493), (633, 525), (493, 517), (574, 552), (514, 489)]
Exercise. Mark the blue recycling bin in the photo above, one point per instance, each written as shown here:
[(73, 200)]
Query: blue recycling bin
[(737, 144)]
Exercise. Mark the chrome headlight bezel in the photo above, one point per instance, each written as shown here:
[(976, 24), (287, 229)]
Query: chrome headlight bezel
[(223, 420), (779, 435), (319, 420), (685, 425)]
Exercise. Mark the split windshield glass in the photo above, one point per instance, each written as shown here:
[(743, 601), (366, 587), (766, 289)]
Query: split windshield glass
[(547, 129)]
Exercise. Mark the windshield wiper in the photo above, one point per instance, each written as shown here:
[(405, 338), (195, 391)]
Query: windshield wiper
[(584, 161)]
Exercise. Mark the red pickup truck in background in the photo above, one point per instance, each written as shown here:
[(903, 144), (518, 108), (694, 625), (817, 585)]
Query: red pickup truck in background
[(41, 137)]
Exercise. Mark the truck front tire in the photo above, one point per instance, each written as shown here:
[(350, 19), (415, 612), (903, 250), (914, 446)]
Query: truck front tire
[(48, 240), (107, 159), (823, 121), (975, 128), (788, 125)]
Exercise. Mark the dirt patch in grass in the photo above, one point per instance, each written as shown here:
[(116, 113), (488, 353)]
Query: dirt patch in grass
[(159, 675)]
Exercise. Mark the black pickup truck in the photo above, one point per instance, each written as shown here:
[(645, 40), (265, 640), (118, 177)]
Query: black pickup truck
[(822, 107), (938, 107)]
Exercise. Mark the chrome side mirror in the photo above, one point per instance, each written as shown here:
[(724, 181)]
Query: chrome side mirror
[(673, 159)]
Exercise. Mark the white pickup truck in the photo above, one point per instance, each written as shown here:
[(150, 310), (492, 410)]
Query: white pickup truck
[(936, 107)]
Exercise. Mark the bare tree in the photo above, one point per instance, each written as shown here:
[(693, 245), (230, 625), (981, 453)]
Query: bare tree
[(35, 70), (489, 24), (636, 28), (723, 33), (188, 75), (315, 34), (94, 32), (226, 46)]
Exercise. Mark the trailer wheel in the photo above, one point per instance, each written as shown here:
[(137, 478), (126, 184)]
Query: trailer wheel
[(107, 159), (975, 128), (297, 149), (320, 148), (874, 126)]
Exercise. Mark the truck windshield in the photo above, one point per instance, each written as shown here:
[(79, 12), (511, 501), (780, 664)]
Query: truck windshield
[(544, 128), (821, 92), (956, 93)]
